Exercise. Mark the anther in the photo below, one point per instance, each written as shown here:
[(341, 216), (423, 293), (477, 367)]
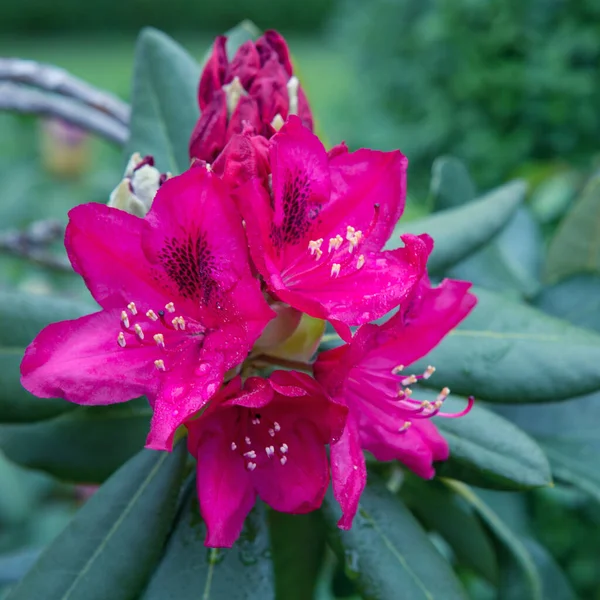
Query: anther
[(125, 319), (283, 460), (429, 371), (138, 331), (315, 248), (159, 338), (178, 323), (283, 448), (397, 370), (250, 454), (409, 380), (251, 466), (276, 426), (159, 364), (170, 307), (152, 315), (121, 340), (360, 261), (272, 432), (335, 243), (255, 421), (233, 446), (443, 394), (270, 450), (131, 306), (247, 440), (404, 427), (335, 269)]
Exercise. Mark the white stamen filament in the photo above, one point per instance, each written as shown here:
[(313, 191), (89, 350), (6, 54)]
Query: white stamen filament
[(292, 88)]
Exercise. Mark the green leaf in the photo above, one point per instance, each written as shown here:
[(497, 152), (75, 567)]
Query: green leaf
[(387, 551), (489, 451), (576, 300), (575, 248), (511, 263), (530, 583), (457, 523), (298, 547), (508, 352), (460, 231), (552, 197), (84, 445), (164, 106), (189, 571), (22, 317), (110, 547), (451, 185)]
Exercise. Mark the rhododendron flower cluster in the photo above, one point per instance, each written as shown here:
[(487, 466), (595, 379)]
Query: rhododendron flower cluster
[(214, 288)]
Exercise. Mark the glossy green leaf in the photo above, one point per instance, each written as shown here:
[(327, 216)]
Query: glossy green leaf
[(530, 583), (298, 547), (489, 451), (164, 105), (190, 571), (575, 248), (387, 551), (22, 317), (552, 197), (110, 547), (84, 445), (460, 231), (508, 352), (511, 263), (451, 184), (457, 523), (576, 300)]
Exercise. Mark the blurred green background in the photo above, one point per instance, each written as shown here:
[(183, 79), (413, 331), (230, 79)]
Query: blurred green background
[(511, 87)]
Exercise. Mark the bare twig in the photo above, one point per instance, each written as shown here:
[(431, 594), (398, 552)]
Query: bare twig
[(59, 81), (24, 100), (32, 244)]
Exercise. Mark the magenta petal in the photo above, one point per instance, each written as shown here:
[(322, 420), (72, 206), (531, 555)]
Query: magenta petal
[(300, 485), (213, 75), (104, 246), (348, 472), (82, 362), (225, 492), (209, 135)]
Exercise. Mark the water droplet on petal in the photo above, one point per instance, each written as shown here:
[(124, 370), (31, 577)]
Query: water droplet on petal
[(211, 388)]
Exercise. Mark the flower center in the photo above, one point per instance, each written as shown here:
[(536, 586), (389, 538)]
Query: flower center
[(163, 329), (259, 440)]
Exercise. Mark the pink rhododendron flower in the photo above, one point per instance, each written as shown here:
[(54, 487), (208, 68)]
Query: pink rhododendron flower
[(367, 374), (257, 89), (180, 306), (264, 438), (317, 237)]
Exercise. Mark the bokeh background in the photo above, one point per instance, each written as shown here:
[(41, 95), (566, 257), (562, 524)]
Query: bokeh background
[(510, 87)]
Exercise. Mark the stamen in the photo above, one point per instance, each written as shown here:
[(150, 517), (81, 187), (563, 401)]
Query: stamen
[(178, 323), (255, 421), (124, 319), (272, 432), (159, 338), (315, 248), (250, 454), (170, 307), (429, 371), (276, 426), (270, 450), (409, 380), (360, 261), (251, 466), (152, 315), (283, 460), (443, 394), (404, 427), (335, 243), (335, 269), (462, 413), (283, 448), (160, 364), (397, 370), (138, 331), (247, 440), (353, 237), (233, 446), (121, 340), (131, 306)]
